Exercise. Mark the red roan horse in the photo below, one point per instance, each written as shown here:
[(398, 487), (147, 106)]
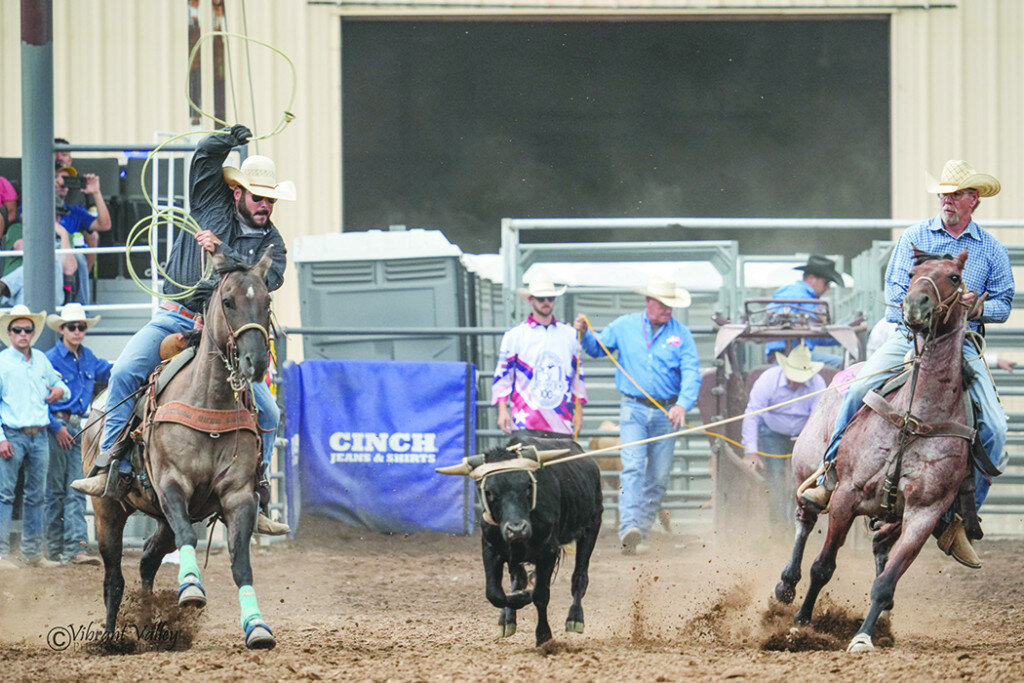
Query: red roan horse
[(932, 468)]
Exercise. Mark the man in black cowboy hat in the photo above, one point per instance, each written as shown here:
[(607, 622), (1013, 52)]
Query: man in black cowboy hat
[(819, 274)]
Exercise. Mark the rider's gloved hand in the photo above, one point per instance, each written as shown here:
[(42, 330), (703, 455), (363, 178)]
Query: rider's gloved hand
[(240, 134)]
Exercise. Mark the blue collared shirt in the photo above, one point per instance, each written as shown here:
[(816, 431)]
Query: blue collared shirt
[(23, 389), (797, 290), (80, 374), (987, 268), (664, 363)]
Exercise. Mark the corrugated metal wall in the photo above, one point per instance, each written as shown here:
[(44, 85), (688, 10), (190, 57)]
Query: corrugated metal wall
[(120, 75)]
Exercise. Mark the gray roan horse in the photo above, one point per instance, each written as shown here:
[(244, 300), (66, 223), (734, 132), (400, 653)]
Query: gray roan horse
[(196, 473), (932, 468)]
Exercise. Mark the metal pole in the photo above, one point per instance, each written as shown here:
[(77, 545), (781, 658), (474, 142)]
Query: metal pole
[(37, 152)]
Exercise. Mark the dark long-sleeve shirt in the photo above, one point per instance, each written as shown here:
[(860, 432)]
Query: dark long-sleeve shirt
[(213, 208)]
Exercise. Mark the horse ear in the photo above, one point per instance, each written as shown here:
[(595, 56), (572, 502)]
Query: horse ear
[(961, 259), (218, 260), (917, 252), (263, 265)]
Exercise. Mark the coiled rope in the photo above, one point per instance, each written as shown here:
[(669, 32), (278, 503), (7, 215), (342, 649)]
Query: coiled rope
[(177, 217)]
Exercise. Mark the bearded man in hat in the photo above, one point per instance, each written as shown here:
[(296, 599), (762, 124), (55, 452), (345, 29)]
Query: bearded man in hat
[(28, 383), (659, 381), (987, 270), (538, 369), (66, 532), (233, 207), (772, 432), (819, 274)]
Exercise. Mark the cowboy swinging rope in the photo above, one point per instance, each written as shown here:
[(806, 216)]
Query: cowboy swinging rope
[(177, 217)]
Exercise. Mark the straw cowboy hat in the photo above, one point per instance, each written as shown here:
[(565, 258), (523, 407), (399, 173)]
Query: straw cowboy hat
[(540, 285), (18, 312), (70, 313), (798, 365), (957, 175), (824, 268), (666, 292), (258, 174)]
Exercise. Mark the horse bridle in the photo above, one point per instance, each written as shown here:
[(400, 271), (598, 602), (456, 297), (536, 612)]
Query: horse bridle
[(944, 304), (230, 353)]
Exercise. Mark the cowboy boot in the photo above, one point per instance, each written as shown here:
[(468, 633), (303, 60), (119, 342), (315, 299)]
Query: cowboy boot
[(99, 476), (264, 524), (816, 497), (119, 479), (953, 541)]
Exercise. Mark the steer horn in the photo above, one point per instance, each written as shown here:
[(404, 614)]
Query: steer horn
[(463, 468), (547, 456)]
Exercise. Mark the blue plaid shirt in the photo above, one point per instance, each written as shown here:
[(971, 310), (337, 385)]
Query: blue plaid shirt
[(987, 268)]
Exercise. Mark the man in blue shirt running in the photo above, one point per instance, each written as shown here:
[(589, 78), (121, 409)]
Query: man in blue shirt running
[(659, 355), (987, 270), (66, 534)]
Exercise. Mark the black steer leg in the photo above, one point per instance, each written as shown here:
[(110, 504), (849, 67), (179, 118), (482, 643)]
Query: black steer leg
[(547, 557), (157, 546), (785, 590), (507, 618), (580, 575)]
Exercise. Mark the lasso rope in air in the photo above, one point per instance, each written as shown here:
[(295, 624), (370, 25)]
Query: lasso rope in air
[(176, 217), (704, 429)]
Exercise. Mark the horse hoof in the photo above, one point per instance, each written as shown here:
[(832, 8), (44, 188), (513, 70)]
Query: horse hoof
[(860, 643), (785, 593), (574, 626), (191, 595), (258, 636), (507, 630)]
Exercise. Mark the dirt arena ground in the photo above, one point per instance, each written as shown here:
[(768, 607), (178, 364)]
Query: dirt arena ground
[(353, 606)]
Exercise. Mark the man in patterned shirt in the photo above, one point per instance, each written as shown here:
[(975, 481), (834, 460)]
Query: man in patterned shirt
[(538, 369), (987, 270)]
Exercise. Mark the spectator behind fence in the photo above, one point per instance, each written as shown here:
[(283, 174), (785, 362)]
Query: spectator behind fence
[(658, 353), (12, 270), (27, 384), (66, 532), (538, 368), (8, 205), (79, 222)]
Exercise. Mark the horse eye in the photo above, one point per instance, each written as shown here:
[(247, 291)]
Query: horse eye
[(228, 303), (955, 279), (912, 273)]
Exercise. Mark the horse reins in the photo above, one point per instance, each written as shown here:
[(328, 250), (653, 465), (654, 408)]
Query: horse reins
[(909, 423)]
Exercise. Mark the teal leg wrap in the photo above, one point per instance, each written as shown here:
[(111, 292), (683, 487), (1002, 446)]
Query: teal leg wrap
[(188, 564), (247, 599)]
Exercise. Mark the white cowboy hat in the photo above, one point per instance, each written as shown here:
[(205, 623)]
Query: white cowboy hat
[(798, 365), (16, 313), (957, 175), (540, 285), (258, 174), (666, 292), (70, 313)]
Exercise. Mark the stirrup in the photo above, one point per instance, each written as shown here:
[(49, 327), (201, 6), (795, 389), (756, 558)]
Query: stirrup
[(118, 483)]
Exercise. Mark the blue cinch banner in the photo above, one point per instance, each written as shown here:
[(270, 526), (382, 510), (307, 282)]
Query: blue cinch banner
[(364, 439)]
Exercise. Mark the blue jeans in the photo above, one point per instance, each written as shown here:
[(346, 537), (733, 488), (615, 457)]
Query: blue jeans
[(66, 531), (991, 418), (15, 281), (645, 468), (34, 453), (777, 473), (138, 359)]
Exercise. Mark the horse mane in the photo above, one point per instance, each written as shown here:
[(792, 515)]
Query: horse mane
[(199, 300)]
